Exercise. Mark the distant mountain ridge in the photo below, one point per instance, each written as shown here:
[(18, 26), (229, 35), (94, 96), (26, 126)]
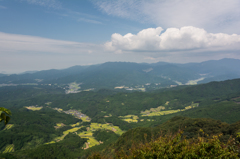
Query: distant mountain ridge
[(112, 74)]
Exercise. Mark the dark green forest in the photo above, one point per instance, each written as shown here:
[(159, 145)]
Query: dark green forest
[(116, 118)]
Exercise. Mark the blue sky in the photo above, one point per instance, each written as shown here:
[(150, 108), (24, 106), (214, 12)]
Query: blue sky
[(46, 34)]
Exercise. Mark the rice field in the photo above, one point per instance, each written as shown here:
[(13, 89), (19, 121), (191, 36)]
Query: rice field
[(115, 129), (85, 119), (59, 125), (85, 134), (51, 142), (9, 148), (161, 110), (8, 126), (130, 118), (72, 130), (33, 108), (95, 126), (74, 125)]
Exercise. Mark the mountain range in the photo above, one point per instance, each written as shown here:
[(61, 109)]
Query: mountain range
[(115, 74)]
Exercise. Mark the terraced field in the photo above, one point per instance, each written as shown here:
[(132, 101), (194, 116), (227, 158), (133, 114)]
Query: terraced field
[(115, 129), (96, 126), (59, 125), (33, 108), (161, 110), (130, 118), (8, 126), (9, 148), (71, 130), (91, 141)]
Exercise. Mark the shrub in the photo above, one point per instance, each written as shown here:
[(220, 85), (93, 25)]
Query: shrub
[(176, 146)]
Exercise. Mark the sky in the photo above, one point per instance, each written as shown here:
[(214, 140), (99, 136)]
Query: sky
[(56, 34)]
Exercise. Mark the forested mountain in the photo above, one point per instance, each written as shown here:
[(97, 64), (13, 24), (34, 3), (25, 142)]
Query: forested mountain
[(47, 123), (1, 75), (41, 75), (133, 76)]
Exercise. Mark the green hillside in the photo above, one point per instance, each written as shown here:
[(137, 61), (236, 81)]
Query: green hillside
[(50, 120)]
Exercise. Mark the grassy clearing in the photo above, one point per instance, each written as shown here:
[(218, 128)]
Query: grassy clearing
[(9, 148), (90, 89), (8, 126), (179, 83), (33, 108), (48, 103)]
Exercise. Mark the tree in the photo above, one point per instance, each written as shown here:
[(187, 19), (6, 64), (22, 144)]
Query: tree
[(3, 116)]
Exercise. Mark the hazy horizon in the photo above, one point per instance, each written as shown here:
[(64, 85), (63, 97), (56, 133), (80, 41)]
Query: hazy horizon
[(27, 71)]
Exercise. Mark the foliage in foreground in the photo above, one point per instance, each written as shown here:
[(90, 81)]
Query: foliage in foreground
[(176, 146), (3, 116)]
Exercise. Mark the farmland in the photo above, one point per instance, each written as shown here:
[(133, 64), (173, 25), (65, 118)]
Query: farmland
[(161, 110), (33, 108), (9, 148)]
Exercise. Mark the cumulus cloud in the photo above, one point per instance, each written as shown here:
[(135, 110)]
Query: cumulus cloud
[(24, 43), (214, 15), (172, 40)]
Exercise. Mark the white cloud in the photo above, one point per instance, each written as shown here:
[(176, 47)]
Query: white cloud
[(65, 12), (173, 40), (46, 3), (23, 43), (21, 53), (89, 21), (2, 7), (214, 15)]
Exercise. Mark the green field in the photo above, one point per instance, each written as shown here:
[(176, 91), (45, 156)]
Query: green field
[(9, 126), (130, 118), (33, 108), (9, 148), (161, 110), (194, 82)]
